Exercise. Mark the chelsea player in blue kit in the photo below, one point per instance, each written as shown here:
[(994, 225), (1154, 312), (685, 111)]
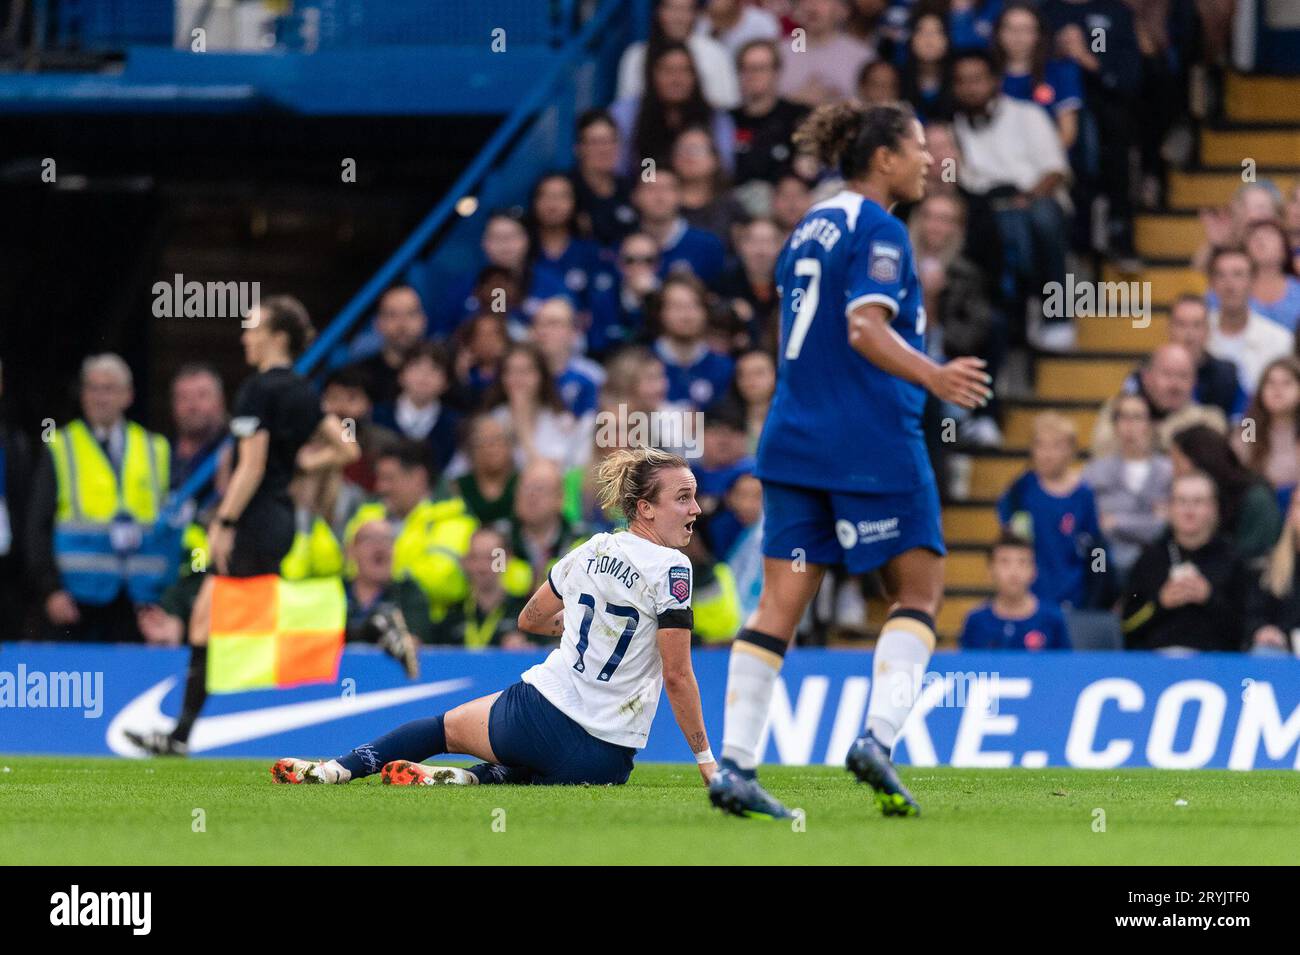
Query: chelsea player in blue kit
[(846, 478)]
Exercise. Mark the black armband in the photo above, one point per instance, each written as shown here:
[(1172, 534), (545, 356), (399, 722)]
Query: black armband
[(678, 619)]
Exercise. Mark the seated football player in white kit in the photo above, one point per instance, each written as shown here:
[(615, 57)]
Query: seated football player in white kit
[(622, 605)]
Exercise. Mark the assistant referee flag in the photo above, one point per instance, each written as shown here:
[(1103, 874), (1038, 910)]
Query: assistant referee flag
[(271, 632)]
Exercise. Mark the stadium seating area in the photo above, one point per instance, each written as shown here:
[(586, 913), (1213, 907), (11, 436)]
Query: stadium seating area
[(1142, 445)]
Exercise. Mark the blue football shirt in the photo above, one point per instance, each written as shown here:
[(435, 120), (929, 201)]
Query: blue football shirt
[(838, 422)]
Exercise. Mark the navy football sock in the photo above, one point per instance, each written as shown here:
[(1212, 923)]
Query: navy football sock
[(416, 741), (492, 774)]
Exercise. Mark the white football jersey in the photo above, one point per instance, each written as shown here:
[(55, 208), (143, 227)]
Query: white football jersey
[(606, 674)]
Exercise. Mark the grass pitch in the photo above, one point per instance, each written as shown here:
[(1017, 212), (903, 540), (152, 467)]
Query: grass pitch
[(211, 812)]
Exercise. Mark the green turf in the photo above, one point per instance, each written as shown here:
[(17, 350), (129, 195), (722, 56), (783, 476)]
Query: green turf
[(66, 811)]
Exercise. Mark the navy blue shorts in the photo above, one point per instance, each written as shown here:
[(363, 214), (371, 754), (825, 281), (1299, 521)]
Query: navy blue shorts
[(536, 743), (860, 531)]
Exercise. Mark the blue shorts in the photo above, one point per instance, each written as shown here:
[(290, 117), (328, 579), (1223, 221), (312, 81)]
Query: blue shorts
[(860, 531), (535, 743)]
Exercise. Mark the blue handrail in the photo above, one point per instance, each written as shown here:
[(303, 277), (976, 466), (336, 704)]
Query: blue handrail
[(415, 243)]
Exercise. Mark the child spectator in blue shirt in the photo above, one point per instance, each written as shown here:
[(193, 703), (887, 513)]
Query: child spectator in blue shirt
[(1053, 508), (696, 373), (1014, 619)]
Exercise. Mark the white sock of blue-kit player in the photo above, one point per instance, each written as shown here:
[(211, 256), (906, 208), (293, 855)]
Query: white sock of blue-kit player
[(897, 666), (751, 675)]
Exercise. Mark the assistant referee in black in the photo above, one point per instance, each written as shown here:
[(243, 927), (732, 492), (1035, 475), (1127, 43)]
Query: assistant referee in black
[(276, 413)]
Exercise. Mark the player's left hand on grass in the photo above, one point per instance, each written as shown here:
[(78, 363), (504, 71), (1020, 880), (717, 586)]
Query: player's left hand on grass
[(962, 381), (707, 770)]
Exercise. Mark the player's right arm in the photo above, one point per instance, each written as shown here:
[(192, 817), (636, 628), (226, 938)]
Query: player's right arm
[(876, 280), (684, 695), (961, 381), (544, 612)]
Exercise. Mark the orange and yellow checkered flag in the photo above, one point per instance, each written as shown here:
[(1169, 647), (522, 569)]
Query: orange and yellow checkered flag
[(271, 632)]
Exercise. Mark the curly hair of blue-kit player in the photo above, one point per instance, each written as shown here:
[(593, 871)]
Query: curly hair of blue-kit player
[(846, 137)]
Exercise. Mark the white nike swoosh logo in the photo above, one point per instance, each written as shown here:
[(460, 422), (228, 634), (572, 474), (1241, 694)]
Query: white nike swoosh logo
[(213, 732)]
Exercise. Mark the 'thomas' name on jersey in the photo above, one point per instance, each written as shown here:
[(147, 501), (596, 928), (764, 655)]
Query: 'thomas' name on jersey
[(837, 421), (606, 675)]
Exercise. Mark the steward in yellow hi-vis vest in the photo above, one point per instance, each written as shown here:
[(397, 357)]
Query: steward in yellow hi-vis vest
[(430, 542), (315, 551), (107, 528)]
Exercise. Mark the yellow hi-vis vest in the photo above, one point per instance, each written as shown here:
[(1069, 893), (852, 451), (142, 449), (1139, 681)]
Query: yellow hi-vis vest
[(429, 545), (107, 532), (717, 607), (315, 553)]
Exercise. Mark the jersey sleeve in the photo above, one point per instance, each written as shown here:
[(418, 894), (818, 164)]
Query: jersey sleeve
[(878, 264), (673, 588), (252, 409)]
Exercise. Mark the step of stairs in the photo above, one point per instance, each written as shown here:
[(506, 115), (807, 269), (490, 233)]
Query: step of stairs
[(1261, 99), (1265, 147), (952, 614), (1081, 379), (1167, 281), (967, 569), (970, 524), (990, 474), (1167, 235), (1095, 334), (1199, 190), (1018, 421)]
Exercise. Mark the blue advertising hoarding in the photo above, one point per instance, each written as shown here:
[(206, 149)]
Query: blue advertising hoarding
[(1091, 710)]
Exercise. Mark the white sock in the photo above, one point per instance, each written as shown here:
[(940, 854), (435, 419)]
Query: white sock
[(897, 666), (751, 673), (330, 771)]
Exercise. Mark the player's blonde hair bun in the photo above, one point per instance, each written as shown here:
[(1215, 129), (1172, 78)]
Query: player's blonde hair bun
[(629, 475)]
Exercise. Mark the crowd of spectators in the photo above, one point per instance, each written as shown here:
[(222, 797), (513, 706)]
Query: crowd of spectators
[(638, 285)]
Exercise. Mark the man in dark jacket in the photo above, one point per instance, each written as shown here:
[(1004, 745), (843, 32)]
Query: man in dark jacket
[(1099, 36), (1188, 588)]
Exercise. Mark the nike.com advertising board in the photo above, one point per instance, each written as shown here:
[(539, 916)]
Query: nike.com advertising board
[(1091, 710)]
